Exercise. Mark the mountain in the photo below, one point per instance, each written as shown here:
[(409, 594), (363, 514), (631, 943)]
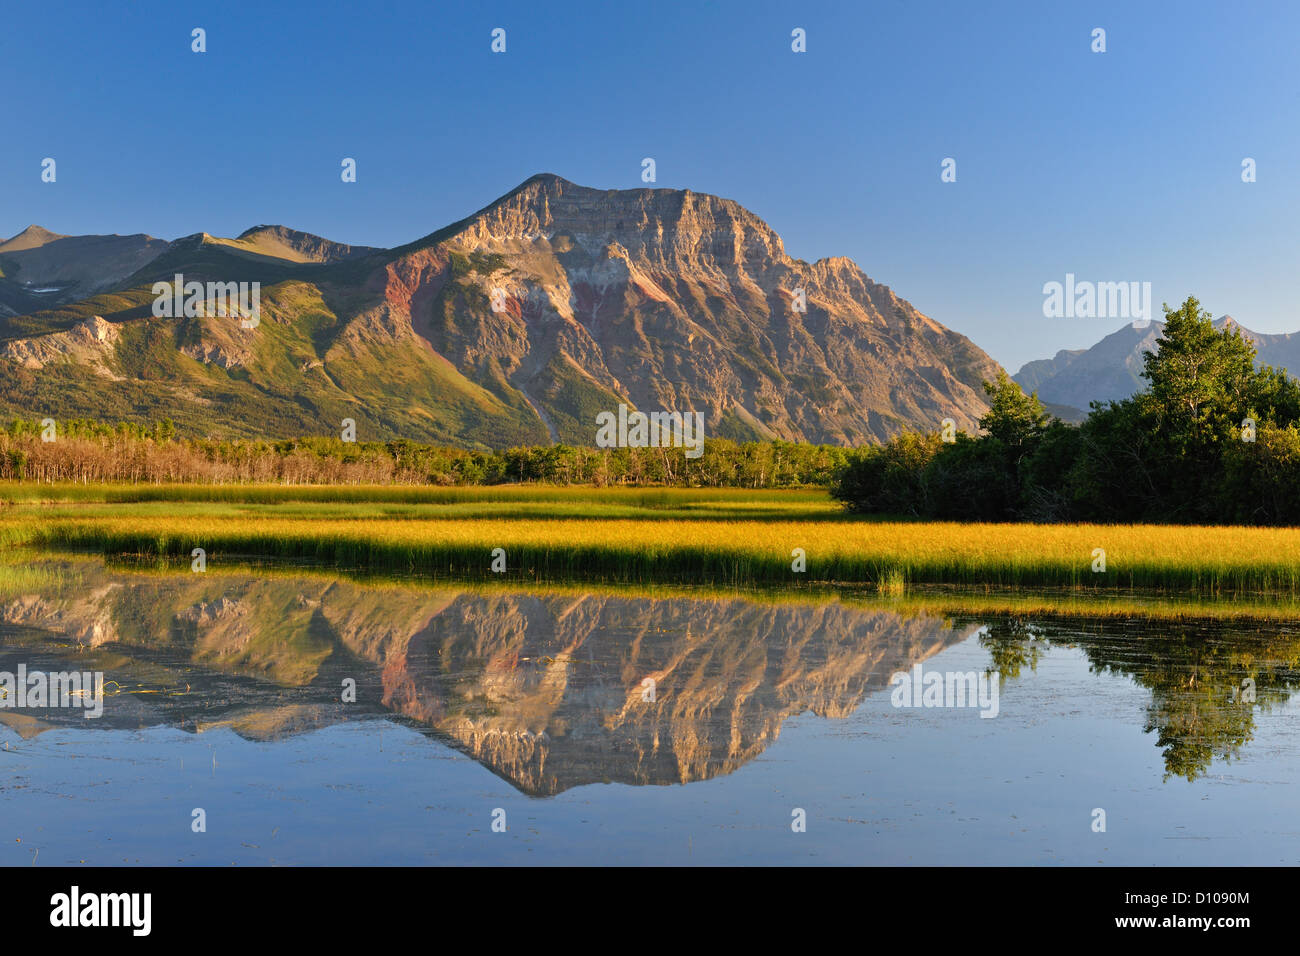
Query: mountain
[(515, 325), (1108, 371), (291, 245), (1112, 369), (40, 269)]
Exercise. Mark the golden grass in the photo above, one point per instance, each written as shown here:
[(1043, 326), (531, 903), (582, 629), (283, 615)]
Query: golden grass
[(701, 550)]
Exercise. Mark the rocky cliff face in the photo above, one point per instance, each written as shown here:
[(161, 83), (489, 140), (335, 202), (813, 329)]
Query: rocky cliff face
[(522, 322), (88, 343), (669, 299)]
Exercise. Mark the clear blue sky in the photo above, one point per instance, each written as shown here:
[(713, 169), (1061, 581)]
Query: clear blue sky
[(1117, 166)]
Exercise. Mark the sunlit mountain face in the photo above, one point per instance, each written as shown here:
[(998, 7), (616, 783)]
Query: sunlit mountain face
[(515, 325)]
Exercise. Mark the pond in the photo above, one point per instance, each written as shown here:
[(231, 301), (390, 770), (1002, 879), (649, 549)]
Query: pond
[(279, 718)]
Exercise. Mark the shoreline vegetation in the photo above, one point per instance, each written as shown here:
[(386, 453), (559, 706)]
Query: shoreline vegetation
[(23, 571), (725, 538)]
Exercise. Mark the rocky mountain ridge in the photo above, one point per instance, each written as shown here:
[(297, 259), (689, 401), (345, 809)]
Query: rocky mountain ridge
[(517, 324)]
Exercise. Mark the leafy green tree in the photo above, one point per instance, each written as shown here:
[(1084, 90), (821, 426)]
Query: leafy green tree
[(1113, 477), (1202, 379), (1275, 397), (1046, 489), (890, 478), (1013, 418), (1187, 424), (972, 479)]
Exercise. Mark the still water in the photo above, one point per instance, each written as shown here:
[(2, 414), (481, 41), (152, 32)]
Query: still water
[(280, 719)]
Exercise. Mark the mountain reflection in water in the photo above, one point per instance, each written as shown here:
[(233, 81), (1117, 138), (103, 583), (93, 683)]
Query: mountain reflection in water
[(549, 690)]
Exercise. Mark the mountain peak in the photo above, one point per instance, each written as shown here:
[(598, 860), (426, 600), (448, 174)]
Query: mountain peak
[(546, 179), (37, 231), (675, 299), (675, 228), (265, 227), (32, 237)]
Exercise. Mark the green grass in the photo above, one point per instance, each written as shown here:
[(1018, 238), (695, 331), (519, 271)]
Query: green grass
[(480, 501)]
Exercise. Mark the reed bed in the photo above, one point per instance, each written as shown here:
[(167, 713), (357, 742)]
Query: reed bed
[(734, 552), (22, 572)]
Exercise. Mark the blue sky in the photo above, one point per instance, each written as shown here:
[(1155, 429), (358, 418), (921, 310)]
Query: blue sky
[(1115, 166)]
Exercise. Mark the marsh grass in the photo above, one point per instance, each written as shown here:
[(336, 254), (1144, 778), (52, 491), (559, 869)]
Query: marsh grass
[(643, 498), (507, 501), (71, 568), (892, 582), (725, 538), (1203, 560), (19, 579)]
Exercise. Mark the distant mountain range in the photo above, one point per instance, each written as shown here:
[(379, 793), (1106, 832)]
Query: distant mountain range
[(1112, 369), (518, 324)]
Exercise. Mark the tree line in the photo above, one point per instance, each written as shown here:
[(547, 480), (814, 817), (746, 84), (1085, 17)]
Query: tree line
[(90, 451)]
